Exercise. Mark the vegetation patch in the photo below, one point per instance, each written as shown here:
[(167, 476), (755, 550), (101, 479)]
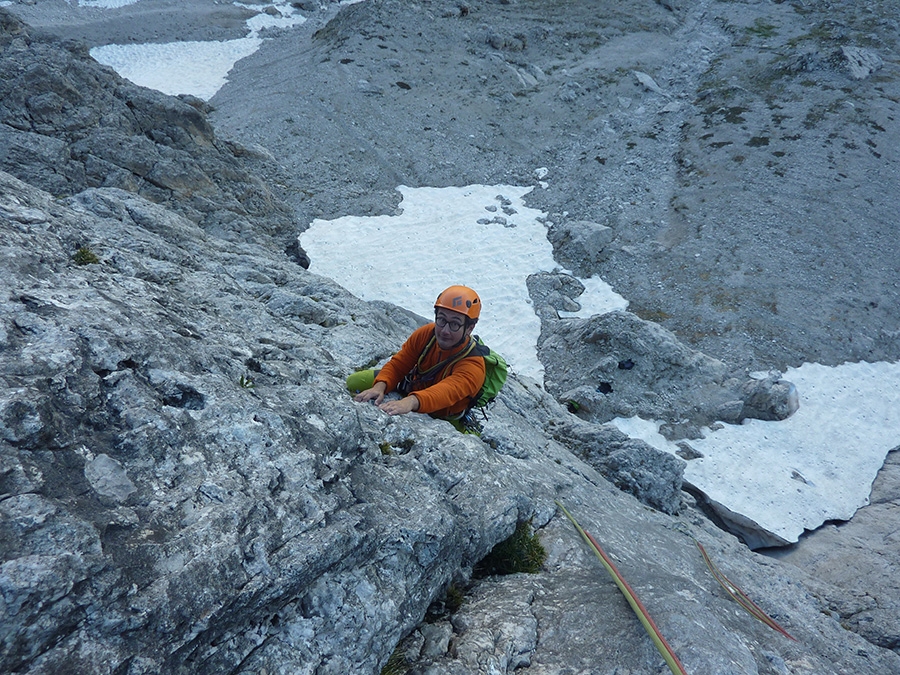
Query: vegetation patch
[(521, 552), (654, 315), (735, 114), (761, 28), (454, 598), (398, 447), (822, 34), (397, 663), (85, 256)]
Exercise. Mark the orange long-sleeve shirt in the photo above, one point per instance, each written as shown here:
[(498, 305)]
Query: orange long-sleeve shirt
[(449, 395)]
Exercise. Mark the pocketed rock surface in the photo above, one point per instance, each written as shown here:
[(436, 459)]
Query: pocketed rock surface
[(185, 485)]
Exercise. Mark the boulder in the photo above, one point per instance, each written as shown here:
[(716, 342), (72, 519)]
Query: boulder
[(580, 245), (618, 365), (859, 62), (651, 475), (552, 293)]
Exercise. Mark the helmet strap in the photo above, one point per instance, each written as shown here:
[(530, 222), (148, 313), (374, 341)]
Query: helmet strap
[(461, 340)]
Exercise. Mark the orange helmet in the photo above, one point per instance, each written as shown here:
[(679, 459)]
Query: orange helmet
[(460, 299)]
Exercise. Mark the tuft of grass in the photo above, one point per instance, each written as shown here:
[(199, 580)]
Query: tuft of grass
[(246, 382), (654, 315), (757, 141), (397, 663), (762, 29), (521, 552), (454, 598), (448, 604), (85, 256)]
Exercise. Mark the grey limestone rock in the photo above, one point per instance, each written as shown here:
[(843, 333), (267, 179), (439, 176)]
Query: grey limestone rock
[(67, 123), (618, 365), (653, 476), (580, 244), (552, 293), (186, 487), (108, 478), (860, 62), (771, 398), (159, 514)]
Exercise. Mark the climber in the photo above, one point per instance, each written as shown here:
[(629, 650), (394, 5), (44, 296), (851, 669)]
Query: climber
[(440, 368)]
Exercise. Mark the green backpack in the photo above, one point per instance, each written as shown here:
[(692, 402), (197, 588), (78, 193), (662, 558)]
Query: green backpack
[(495, 372)]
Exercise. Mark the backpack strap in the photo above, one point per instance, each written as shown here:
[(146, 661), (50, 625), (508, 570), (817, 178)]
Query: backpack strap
[(481, 349), (417, 375)]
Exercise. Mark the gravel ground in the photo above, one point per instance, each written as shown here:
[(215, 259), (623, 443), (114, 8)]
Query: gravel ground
[(751, 179)]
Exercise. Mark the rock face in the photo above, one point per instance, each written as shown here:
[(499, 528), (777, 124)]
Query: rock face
[(185, 486), (68, 123), (618, 365), (188, 488), (553, 293), (652, 476), (864, 590)]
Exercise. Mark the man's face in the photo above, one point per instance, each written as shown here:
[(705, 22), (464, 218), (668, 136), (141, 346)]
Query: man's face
[(453, 329)]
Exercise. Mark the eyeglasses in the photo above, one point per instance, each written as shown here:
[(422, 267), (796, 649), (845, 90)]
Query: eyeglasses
[(454, 326)]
